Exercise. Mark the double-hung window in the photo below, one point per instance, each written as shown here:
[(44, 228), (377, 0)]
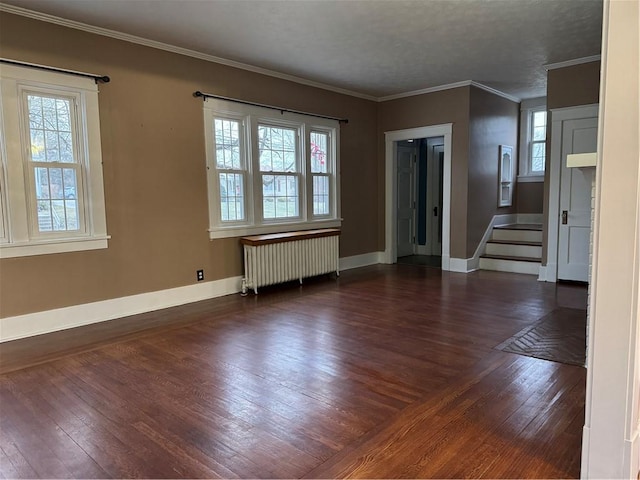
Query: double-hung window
[(269, 171), (51, 192), (533, 134)]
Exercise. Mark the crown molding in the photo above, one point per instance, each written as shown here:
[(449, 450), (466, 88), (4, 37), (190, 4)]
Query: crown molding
[(449, 86), (423, 91), (496, 92), (44, 17), (570, 63)]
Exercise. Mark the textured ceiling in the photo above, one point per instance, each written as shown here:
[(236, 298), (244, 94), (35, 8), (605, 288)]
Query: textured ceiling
[(374, 47)]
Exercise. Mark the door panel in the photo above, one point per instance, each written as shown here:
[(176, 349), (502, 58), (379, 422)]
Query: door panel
[(435, 162), (405, 199), (574, 232)]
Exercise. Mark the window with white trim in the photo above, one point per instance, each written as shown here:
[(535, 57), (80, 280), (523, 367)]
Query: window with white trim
[(533, 133), (51, 192), (269, 172)]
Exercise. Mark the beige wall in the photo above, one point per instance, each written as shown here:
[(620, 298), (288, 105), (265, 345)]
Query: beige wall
[(567, 87), (154, 168), (530, 197), (447, 106), (493, 121)]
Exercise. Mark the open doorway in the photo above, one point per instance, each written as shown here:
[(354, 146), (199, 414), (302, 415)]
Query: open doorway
[(420, 166), (418, 201)]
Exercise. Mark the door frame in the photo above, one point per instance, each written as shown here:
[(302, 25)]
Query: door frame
[(391, 162), (549, 273)]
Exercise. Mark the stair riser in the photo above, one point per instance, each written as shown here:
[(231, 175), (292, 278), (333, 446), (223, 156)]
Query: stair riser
[(530, 268), (517, 235), (514, 250)]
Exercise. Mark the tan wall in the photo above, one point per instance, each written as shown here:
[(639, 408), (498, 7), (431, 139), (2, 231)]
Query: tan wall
[(530, 197), (154, 168), (493, 121), (567, 87), (447, 106), (573, 86)]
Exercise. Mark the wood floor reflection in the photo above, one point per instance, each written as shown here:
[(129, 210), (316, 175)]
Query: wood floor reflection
[(388, 372)]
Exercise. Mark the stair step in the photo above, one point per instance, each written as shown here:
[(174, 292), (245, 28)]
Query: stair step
[(505, 265), (517, 242), (520, 226), (513, 249), (512, 258), (516, 234)]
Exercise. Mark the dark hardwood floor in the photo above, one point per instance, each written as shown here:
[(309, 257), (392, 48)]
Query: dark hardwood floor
[(389, 371)]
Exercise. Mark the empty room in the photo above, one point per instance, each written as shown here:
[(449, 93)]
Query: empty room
[(319, 239)]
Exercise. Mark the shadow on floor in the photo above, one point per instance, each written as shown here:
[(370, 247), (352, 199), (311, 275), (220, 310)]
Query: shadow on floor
[(424, 260)]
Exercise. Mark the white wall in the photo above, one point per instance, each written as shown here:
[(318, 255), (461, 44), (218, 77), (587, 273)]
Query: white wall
[(611, 448)]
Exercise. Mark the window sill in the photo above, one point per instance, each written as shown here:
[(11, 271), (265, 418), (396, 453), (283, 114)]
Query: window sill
[(245, 230), (60, 245), (531, 178)]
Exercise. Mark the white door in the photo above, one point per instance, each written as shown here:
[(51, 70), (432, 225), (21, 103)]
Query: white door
[(435, 160), (574, 229), (406, 195)]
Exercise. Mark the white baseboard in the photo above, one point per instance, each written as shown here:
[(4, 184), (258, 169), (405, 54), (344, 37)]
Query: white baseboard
[(364, 260), (462, 265), (548, 273), (422, 250), (31, 324), (21, 326), (632, 455)]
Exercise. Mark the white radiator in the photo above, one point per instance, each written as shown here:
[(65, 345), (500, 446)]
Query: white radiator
[(271, 259)]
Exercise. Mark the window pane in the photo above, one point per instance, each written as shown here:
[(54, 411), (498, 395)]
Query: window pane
[(231, 197), (227, 140), (56, 191), (320, 195), (537, 157), (540, 119), (50, 129), (280, 197), (277, 149), (319, 146)]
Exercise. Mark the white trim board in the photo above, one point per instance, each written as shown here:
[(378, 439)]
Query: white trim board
[(21, 326), (391, 162), (38, 323)]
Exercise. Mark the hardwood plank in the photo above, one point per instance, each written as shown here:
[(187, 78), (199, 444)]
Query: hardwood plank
[(390, 371)]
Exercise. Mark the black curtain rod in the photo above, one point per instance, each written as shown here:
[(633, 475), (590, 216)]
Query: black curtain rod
[(97, 78), (280, 109)]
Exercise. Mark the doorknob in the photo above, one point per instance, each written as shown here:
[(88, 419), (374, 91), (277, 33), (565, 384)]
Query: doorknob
[(565, 216), (435, 211)]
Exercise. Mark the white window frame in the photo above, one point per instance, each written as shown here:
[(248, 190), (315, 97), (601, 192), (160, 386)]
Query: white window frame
[(250, 117), (22, 237), (527, 109)]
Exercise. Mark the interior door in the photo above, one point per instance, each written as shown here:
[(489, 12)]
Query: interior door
[(435, 190), (406, 199), (574, 230)]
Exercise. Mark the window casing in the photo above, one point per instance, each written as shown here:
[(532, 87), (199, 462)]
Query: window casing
[(285, 169), (533, 130), (51, 191)]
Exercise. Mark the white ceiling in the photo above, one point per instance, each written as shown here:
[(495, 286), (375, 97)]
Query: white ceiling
[(376, 48)]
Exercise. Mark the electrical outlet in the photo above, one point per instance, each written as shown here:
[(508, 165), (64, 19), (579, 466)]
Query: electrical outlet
[(200, 275)]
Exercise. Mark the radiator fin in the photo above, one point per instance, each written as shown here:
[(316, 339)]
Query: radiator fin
[(285, 261)]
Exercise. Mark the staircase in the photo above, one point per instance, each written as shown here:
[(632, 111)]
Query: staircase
[(514, 248)]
